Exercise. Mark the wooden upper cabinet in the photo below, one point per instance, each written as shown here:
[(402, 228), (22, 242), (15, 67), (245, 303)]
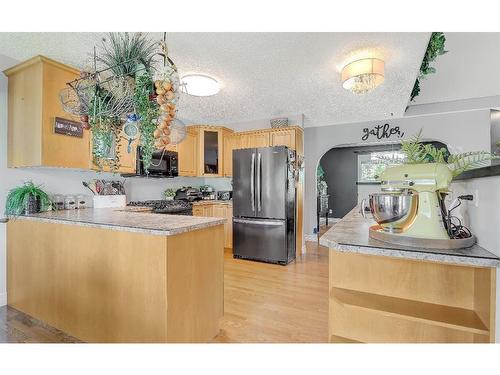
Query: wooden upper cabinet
[(255, 139), (231, 142), (210, 149), (283, 138), (34, 87), (188, 154)]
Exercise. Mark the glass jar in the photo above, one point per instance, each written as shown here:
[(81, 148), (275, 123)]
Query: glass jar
[(58, 202), (69, 202), (81, 201)]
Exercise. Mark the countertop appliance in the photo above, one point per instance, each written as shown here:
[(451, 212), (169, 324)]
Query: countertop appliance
[(264, 197), (411, 210), (208, 192), (163, 164), (172, 207), (224, 195), (188, 193)]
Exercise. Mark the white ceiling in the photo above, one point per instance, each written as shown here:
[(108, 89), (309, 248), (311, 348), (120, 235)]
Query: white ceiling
[(470, 69), (265, 74)]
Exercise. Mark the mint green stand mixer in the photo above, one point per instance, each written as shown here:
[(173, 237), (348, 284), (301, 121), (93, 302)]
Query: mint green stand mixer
[(410, 209)]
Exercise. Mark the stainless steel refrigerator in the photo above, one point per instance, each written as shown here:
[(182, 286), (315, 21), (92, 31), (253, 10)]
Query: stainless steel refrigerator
[(264, 197)]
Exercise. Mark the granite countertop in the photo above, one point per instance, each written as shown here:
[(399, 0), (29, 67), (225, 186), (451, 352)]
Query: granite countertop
[(211, 201), (351, 235), (127, 219)]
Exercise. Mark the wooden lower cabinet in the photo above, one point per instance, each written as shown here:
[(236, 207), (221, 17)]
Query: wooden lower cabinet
[(223, 210), (102, 286), (377, 299)]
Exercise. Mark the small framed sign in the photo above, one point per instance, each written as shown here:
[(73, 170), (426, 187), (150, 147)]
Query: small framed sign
[(68, 127)]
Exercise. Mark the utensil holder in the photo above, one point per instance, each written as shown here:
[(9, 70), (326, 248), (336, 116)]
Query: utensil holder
[(109, 201)]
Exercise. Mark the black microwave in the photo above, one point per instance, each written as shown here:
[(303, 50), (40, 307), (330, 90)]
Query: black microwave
[(163, 164)]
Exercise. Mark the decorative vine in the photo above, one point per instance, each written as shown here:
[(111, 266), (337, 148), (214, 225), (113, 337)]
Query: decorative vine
[(147, 109), (435, 48)]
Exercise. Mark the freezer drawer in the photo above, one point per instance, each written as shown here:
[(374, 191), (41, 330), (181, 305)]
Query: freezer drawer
[(260, 239)]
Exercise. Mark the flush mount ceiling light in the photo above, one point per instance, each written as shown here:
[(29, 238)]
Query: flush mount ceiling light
[(363, 75), (199, 85)]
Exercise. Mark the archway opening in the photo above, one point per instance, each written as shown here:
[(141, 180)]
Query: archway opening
[(346, 175)]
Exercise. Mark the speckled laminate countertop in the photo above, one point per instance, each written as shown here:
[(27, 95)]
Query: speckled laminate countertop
[(126, 219), (351, 235)]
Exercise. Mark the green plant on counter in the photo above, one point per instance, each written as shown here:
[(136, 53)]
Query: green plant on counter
[(169, 193), (18, 199), (435, 48), (147, 110), (417, 152)]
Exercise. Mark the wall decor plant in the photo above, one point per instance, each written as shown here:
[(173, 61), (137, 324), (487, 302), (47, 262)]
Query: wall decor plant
[(26, 199), (417, 152), (435, 48)]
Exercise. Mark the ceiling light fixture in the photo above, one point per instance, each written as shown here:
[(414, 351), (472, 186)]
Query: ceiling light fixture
[(199, 85), (363, 75)]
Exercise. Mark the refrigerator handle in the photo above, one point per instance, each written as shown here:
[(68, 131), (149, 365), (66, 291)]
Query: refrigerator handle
[(252, 181), (259, 187)]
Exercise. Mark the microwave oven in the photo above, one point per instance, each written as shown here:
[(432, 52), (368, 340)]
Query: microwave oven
[(163, 164)]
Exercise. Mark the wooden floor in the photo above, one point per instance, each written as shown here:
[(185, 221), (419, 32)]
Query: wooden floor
[(262, 303)]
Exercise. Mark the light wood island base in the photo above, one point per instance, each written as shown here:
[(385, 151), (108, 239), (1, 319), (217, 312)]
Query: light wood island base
[(102, 285), (380, 299)]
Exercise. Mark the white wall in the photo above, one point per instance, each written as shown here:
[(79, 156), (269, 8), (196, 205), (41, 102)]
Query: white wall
[(482, 215)]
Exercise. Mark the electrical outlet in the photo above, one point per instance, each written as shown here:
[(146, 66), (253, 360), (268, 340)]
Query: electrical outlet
[(476, 198)]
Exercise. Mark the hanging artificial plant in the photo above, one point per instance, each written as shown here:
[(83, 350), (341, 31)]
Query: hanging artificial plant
[(435, 48), (105, 131), (147, 109)]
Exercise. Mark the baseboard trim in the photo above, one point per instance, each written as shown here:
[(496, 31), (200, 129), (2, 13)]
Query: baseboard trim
[(3, 299)]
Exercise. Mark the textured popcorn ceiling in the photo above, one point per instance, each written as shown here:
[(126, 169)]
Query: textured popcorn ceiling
[(265, 75)]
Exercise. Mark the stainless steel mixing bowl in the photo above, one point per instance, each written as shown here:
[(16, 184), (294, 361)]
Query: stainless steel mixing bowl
[(393, 211)]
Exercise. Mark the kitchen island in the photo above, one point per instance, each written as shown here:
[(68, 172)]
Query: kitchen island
[(117, 275), (381, 292)]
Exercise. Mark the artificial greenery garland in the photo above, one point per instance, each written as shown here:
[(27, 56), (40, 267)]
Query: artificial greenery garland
[(435, 48)]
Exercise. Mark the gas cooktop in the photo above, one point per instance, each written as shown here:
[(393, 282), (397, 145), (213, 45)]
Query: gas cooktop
[(173, 207)]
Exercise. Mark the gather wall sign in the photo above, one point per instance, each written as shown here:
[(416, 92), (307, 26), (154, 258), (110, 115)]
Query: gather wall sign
[(382, 132)]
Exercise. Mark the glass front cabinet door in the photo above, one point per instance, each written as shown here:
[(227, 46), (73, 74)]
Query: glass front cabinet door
[(211, 152)]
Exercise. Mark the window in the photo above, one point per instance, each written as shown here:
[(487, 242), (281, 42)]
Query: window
[(374, 163)]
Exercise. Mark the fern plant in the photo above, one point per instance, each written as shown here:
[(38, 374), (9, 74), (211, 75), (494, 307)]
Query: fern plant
[(417, 152)]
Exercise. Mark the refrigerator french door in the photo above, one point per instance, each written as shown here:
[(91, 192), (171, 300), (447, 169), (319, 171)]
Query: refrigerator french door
[(264, 204)]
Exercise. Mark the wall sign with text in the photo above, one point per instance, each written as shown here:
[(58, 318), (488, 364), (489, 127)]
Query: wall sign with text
[(382, 132), (68, 127)]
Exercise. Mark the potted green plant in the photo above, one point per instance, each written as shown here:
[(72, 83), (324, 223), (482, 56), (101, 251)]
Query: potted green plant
[(169, 194), (26, 199)]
